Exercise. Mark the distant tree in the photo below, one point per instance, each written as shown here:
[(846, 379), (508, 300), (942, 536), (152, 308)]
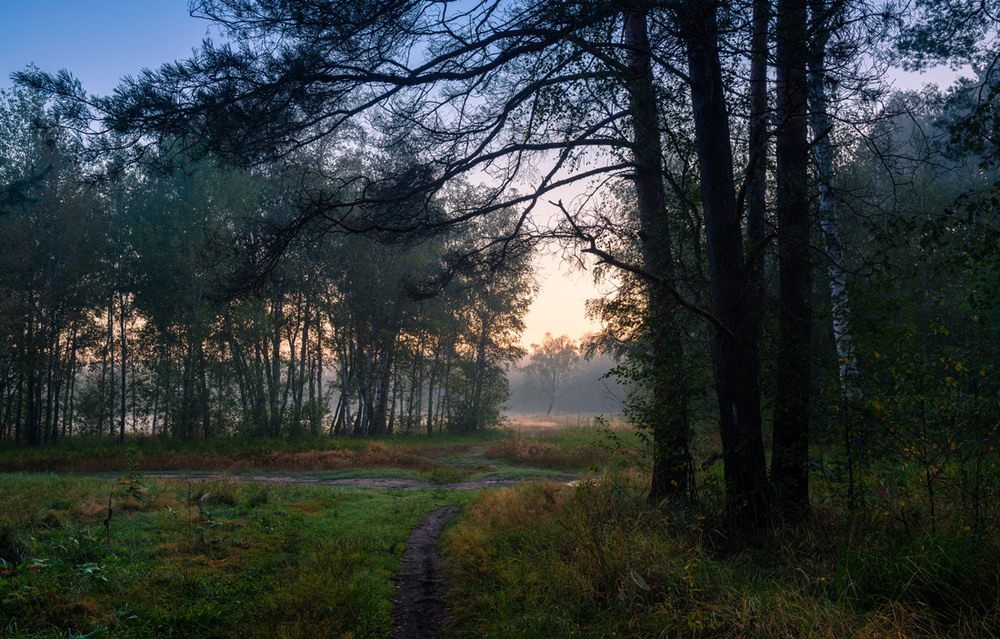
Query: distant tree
[(552, 365)]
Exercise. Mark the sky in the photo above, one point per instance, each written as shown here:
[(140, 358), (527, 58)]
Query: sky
[(101, 41)]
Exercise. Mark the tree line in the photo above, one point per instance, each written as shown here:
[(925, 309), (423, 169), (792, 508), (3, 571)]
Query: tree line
[(135, 304)]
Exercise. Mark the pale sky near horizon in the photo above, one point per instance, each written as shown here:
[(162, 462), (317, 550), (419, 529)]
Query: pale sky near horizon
[(100, 41)]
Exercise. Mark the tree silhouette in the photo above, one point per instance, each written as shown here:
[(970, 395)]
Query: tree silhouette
[(553, 363)]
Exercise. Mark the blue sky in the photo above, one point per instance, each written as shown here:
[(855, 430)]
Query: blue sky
[(99, 41)]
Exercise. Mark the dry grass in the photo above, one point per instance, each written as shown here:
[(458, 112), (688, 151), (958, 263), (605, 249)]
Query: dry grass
[(231, 458), (374, 455), (545, 560), (529, 451), (542, 424)]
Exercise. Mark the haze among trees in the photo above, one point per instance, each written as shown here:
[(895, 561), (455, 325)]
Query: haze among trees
[(324, 224)]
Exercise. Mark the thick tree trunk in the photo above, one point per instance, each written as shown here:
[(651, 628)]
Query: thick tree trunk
[(671, 458), (790, 452), (736, 350)]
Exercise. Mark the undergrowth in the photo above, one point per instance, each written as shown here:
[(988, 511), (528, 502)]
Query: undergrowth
[(594, 561)]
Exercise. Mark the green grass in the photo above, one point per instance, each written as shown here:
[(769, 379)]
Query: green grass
[(216, 559), (224, 558), (594, 561)]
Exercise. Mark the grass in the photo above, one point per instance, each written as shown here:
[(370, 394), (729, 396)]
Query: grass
[(593, 561), (520, 450), (232, 455), (223, 558), (556, 443), (215, 559)]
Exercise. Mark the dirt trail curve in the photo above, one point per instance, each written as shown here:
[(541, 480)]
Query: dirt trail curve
[(355, 482), (418, 610)]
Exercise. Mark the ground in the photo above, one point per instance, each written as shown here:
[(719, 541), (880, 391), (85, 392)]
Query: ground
[(249, 539)]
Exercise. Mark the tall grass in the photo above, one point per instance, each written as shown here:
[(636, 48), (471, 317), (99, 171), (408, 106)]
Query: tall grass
[(594, 561)]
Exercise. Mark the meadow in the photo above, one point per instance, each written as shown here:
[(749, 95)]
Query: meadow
[(114, 549), (257, 545)]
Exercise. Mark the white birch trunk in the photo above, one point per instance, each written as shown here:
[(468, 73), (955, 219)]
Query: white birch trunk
[(823, 157)]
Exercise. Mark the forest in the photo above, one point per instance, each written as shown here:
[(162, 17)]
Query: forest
[(322, 226), (123, 313)]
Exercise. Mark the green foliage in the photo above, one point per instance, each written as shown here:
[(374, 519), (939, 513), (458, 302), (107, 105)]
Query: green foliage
[(951, 576), (132, 480)]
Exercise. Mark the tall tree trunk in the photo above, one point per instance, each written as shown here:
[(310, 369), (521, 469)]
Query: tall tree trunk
[(319, 404), (102, 384), (70, 384), (480, 377), (430, 390), (111, 393), (444, 402), (5, 407), (204, 396), (757, 168), (54, 388), (20, 404), (31, 413), (393, 406), (824, 14), (736, 349), (790, 451), (303, 357), (274, 387), (671, 457), (384, 380), (124, 344)]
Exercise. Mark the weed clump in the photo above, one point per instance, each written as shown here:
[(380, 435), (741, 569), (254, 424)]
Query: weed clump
[(256, 495)]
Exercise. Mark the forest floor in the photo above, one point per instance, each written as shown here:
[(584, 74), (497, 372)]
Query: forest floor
[(544, 531), (326, 538)]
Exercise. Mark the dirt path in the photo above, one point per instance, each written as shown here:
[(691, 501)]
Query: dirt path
[(418, 610), (354, 482)]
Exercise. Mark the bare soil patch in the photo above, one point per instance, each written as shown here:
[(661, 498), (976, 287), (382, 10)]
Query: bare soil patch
[(419, 611), (347, 482)]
